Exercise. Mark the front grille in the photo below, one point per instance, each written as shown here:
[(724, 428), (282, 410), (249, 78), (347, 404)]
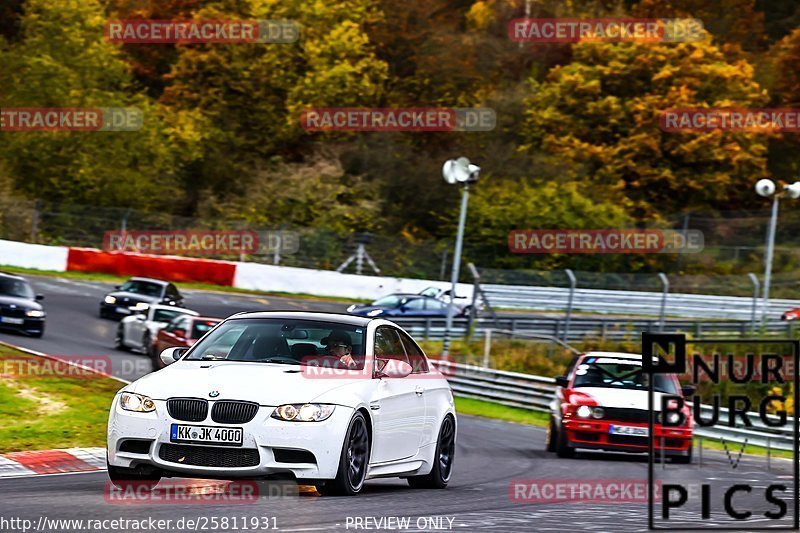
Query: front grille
[(232, 412), (209, 456), (623, 414), (188, 409), (17, 312)]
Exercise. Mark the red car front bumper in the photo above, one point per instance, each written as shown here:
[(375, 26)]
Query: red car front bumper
[(597, 434)]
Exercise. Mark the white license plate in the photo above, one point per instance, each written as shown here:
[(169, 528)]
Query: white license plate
[(9, 320), (123, 310), (628, 430), (206, 434)]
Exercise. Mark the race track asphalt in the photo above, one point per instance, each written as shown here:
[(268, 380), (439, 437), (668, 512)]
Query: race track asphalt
[(492, 458)]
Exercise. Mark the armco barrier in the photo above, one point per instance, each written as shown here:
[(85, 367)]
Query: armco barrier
[(536, 392), (630, 302)]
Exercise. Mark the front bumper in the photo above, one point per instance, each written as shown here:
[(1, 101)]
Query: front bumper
[(263, 437), (29, 325), (596, 435)]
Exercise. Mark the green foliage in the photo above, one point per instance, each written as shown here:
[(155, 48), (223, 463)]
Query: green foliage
[(603, 111)]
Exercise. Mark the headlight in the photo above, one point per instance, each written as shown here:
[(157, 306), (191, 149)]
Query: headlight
[(110, 300), (141, 306), (351, 308), (130, 401), (586, 411), (35, 313), (672, 418), (375, 312), (303, 412)]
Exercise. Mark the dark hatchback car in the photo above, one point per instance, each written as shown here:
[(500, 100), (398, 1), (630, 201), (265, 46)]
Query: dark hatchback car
[(136, 295), (403, 305), (19, 309)]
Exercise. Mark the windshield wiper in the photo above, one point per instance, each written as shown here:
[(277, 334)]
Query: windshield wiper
[(211, 358), (279, 360)]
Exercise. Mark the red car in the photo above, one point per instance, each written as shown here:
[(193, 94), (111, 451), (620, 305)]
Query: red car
[(792, 314), (601, 404), (182, 331)]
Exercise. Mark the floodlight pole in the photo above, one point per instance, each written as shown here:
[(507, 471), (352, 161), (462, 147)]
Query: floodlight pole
[(773, 222), (462, 219)]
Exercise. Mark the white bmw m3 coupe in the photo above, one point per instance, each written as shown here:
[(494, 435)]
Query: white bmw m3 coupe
[(331, 400)]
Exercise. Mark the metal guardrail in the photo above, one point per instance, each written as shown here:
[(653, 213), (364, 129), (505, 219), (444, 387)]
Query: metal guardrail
[(588, 328), (528, 391), (630, 302)]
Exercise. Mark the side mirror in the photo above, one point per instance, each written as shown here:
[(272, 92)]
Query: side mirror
[(117, 286), (170, 355), (562, 381), (688, 390), (180, 333), (140, 315), (395, 369), (40, 297)]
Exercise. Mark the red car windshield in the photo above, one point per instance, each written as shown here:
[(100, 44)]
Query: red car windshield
[(619, 374)]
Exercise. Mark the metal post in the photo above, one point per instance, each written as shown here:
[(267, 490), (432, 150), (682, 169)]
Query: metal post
[(662, 313), (443, 269), (769, 453), (124, 223), (700, 451), (754, 279), (572, 283), (773, 222), (487, 347), (462, 220)]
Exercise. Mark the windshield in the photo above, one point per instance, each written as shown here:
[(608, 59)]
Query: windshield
[(201, 327), (15, 287), (387, 301), (619, 374), (280, 340), (145, 288), (165, 315)]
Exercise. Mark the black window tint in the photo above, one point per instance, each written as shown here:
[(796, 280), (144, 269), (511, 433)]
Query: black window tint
[(417, 304)]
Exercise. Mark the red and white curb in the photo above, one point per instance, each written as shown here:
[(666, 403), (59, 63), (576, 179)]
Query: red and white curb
[(20, 464)]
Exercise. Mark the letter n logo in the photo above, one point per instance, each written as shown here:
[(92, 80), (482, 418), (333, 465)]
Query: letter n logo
[(658, 349)]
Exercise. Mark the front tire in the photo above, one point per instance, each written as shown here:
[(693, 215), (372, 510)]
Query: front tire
[(563, 449), (442, 469), (683, 459), (353, 461), (551, 435), (119, 342)]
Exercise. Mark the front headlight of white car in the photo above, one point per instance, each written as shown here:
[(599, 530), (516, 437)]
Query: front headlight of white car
[(375, 312), (110, 300), (303, 412), (138, 403), (34, 313)]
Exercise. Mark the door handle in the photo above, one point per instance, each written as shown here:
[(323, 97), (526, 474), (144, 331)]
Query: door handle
[(375, 406), (420, 391)]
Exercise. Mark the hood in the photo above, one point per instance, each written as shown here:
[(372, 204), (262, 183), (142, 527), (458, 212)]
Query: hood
[(264, 383), (21, 303), (125, 297), (621, 398)]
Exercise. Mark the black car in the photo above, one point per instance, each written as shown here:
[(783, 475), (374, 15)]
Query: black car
[(19, 309), (137, 294)]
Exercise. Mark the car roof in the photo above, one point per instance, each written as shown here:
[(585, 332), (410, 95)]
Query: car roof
[(11, 276), (200, 318), (615, 355), (351, 320), (151, 280)]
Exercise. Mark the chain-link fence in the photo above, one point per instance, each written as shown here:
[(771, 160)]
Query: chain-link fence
[(733, 247)]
